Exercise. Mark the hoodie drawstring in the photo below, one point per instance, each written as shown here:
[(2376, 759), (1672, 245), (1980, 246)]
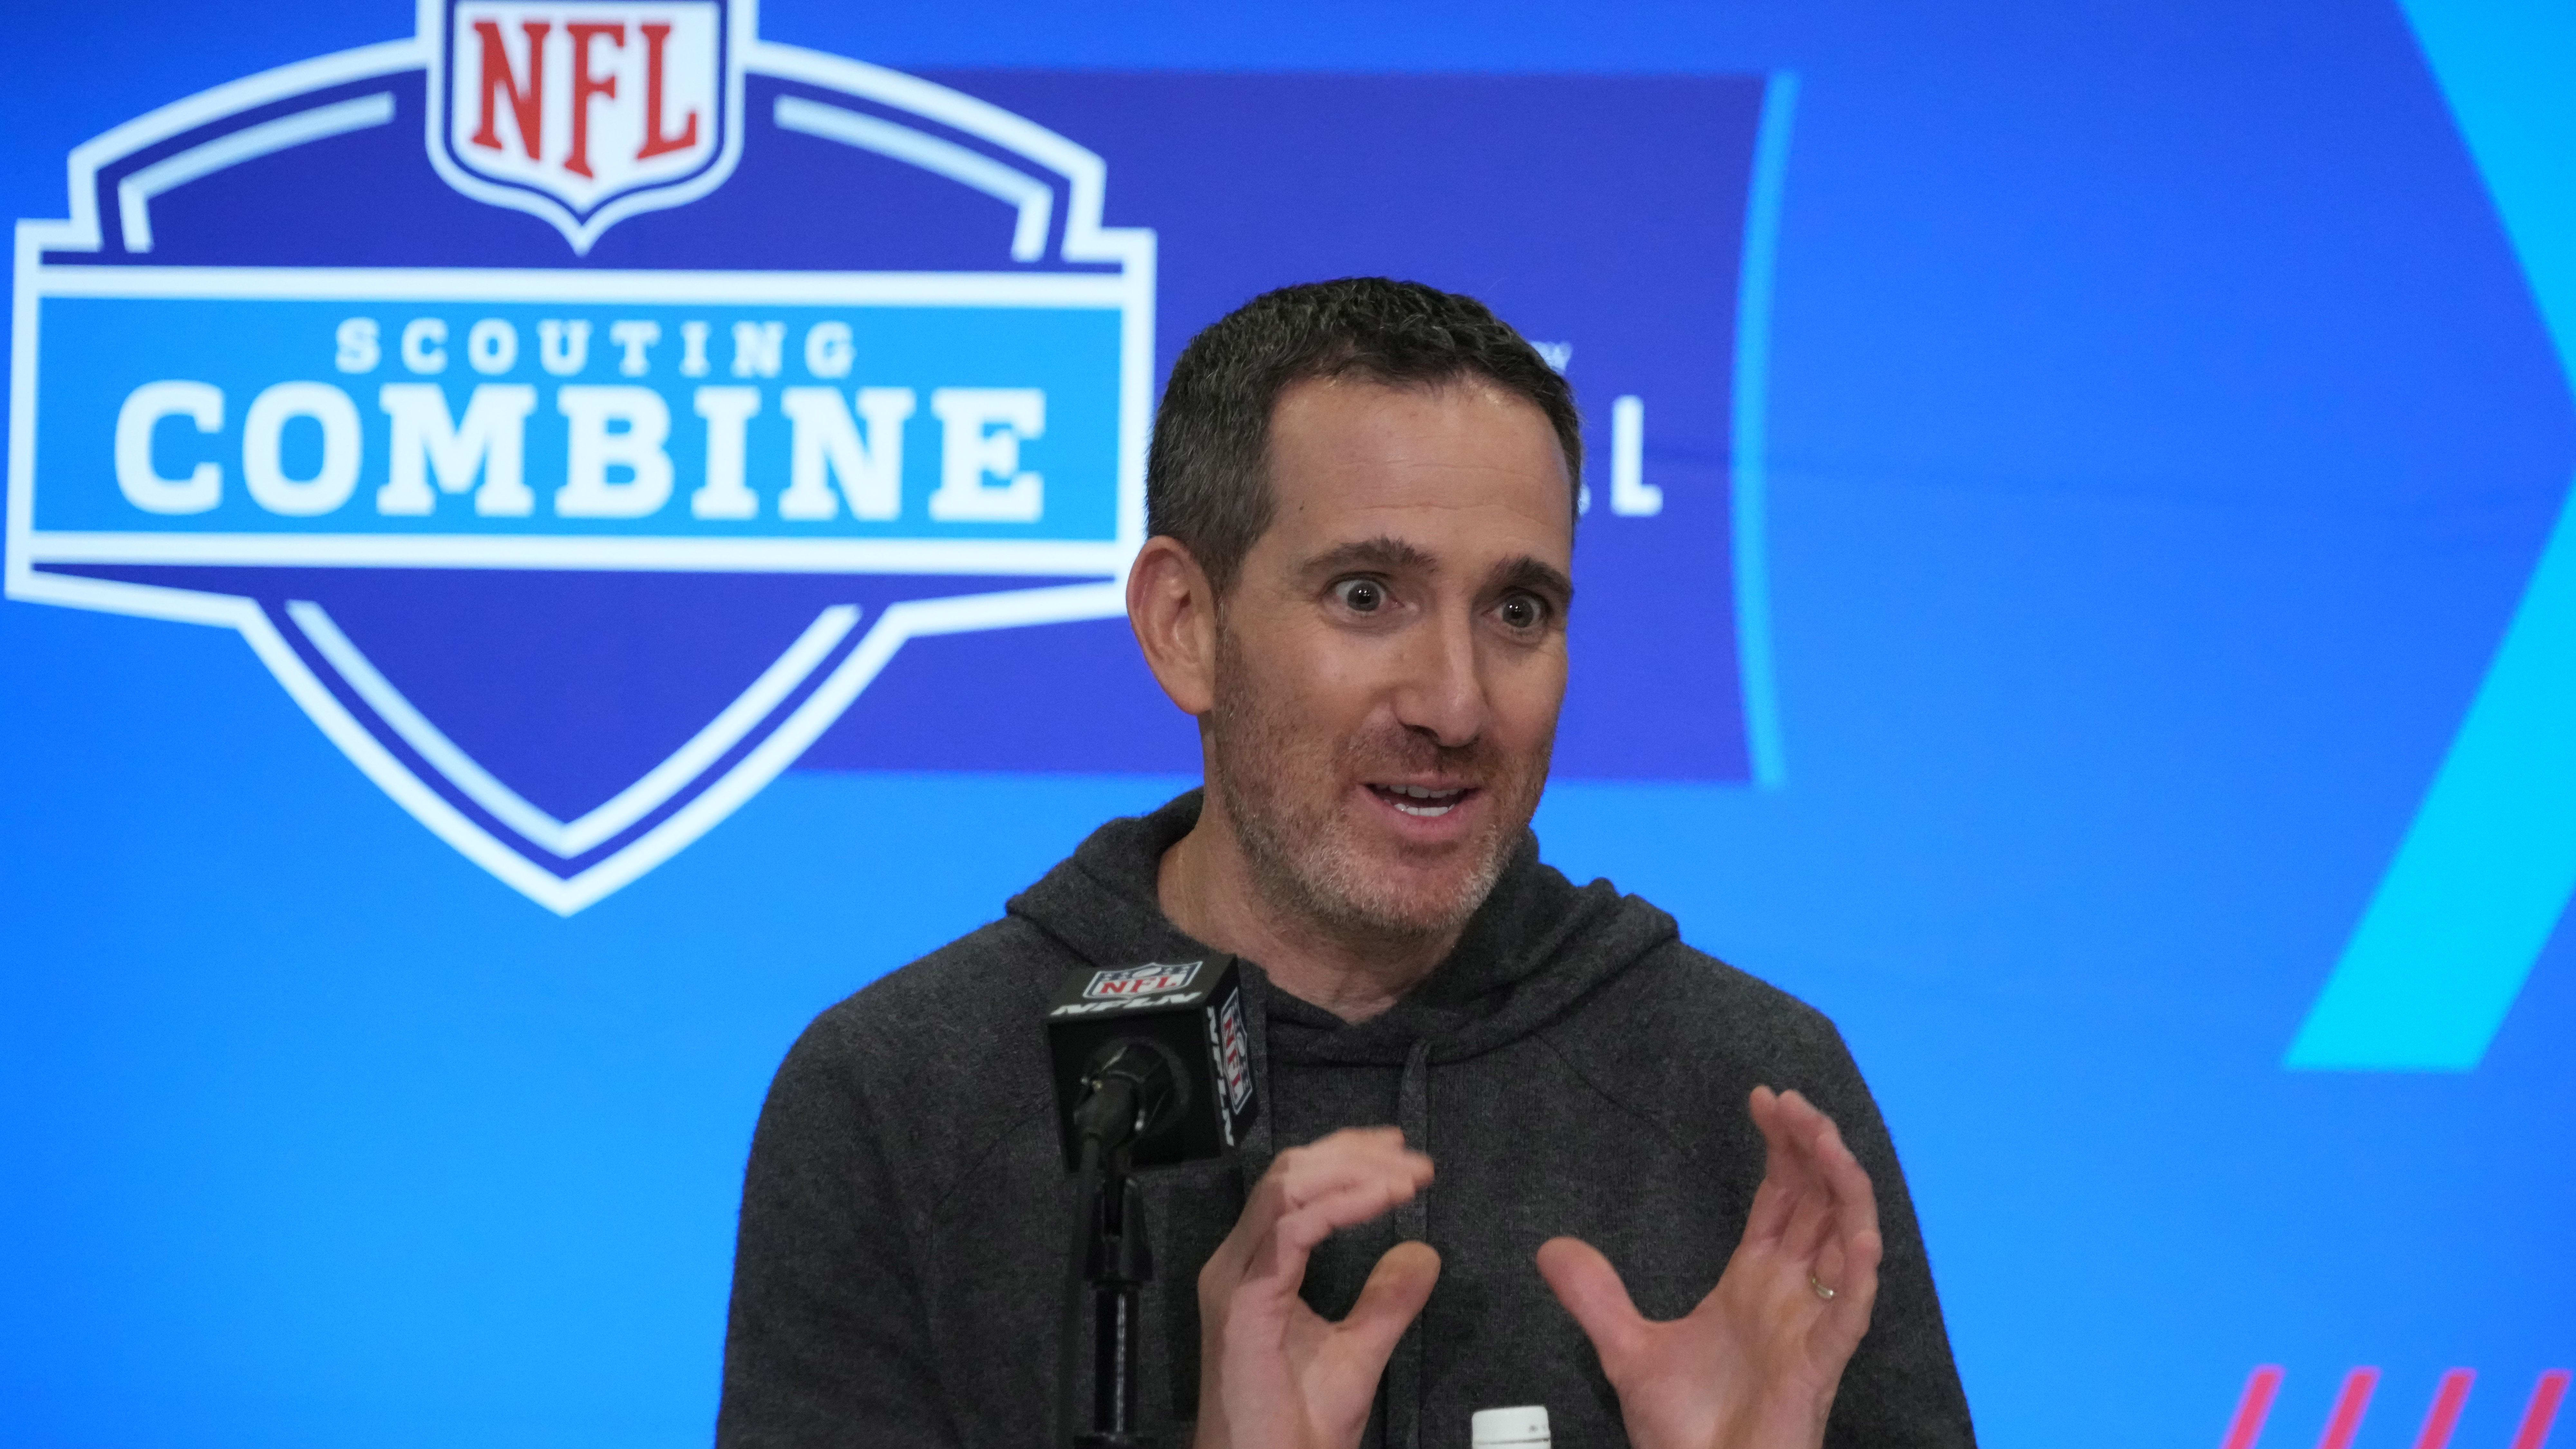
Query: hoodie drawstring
[(1260, 1145), (1413, 1225)]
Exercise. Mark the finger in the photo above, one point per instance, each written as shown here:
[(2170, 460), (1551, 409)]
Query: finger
[(1793, 1125), (1344, 1179), (1770, 1207), (1849, 1267), (1865, 1250), (1277, 1261), (1355, 1203), (1590, 1289), (1856, 1246), (1811, 1224), (1855, 1200), (1388, 1140), (1274, 1266), (1787, 1180), (1396, 1290), (1302, 1176), (1811, 1142)]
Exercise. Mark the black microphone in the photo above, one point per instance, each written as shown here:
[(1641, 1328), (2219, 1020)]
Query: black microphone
[(1153, 1060)]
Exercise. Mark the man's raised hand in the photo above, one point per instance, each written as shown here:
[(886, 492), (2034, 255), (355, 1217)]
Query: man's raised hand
[(1756, 1364), (1272, 1373)]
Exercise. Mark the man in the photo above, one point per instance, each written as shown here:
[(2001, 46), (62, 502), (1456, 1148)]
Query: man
[(1504, 1153)]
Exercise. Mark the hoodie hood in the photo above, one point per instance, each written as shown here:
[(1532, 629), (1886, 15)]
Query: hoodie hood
[(1531, 954), (1536, 947)]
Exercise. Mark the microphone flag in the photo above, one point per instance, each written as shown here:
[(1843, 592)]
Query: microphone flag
[(1190, 1014)]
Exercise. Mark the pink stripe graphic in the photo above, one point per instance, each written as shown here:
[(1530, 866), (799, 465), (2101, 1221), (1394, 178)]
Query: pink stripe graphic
[(2253, 1408), (2545, 1398), (2448, 1400), (2350, 1404)]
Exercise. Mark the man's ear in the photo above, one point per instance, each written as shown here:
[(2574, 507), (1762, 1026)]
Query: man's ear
[(1172, 608)]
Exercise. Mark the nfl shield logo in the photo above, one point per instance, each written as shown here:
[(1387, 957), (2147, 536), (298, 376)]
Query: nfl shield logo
[(586, 111), (1154, 979), (1234, 1053)]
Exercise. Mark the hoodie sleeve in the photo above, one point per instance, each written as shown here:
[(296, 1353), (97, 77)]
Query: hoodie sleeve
[(827, 1341), (1901, 1387)]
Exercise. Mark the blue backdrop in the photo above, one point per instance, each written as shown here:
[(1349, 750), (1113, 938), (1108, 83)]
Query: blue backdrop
[(2100, 633)]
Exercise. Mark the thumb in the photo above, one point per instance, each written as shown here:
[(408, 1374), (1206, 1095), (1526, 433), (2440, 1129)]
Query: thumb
[(1396, 1290), (1590, 1289)]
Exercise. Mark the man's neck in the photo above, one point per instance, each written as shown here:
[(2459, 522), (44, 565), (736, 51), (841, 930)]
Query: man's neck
[(1209, 889)]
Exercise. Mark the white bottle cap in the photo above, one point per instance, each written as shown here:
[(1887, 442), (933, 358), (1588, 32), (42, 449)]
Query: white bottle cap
[(1522, 1428)]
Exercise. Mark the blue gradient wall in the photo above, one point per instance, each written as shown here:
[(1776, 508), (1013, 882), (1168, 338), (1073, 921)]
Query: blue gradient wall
[(2166, 421)]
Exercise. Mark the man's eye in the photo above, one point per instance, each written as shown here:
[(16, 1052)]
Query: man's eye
[(1523, 611), (1360, 596)]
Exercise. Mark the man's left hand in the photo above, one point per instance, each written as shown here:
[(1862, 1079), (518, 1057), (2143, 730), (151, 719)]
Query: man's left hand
[(1756, 1364)]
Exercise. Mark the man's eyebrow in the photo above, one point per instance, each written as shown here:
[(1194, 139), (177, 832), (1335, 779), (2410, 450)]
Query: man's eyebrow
[(1536, 575), (1382, 552)]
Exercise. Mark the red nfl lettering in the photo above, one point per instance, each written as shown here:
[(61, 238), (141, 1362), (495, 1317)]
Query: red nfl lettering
[(656, 37), (588, 85), (526, 92), (585, 111), (528, 101)]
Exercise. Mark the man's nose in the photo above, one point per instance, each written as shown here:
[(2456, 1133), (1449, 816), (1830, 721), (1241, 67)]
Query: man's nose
[(1442, 693)]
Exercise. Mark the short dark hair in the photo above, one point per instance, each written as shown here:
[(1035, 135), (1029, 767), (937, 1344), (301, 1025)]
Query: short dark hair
[(1206, 481)]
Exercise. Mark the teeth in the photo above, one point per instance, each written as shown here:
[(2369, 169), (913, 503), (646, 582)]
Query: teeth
[(1436, 802)]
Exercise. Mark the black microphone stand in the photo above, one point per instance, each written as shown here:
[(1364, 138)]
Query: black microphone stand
[(1117, 1263), (1110, 1244)]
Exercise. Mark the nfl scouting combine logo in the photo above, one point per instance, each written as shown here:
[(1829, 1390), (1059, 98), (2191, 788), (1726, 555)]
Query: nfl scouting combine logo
[(577, 405)]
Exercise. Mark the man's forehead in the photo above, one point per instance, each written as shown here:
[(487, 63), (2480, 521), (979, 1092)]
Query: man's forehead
[(1428, 467), (1352, 414)]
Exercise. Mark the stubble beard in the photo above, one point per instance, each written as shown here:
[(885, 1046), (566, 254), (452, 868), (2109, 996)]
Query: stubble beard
[(1281, 788)]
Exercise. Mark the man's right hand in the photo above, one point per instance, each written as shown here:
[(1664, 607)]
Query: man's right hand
[(1272, 1373)]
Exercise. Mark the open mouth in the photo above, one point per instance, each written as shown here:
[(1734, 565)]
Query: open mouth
[(1428, 802)]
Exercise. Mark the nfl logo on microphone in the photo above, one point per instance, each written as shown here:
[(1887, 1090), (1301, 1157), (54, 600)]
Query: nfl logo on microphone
[(578, 405), (1153, 979)]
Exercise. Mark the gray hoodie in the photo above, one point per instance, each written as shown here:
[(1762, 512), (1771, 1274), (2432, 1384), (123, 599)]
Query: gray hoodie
[(1572, 1068)]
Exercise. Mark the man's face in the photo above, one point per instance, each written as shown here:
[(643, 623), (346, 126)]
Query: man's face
[(1391, 657)]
